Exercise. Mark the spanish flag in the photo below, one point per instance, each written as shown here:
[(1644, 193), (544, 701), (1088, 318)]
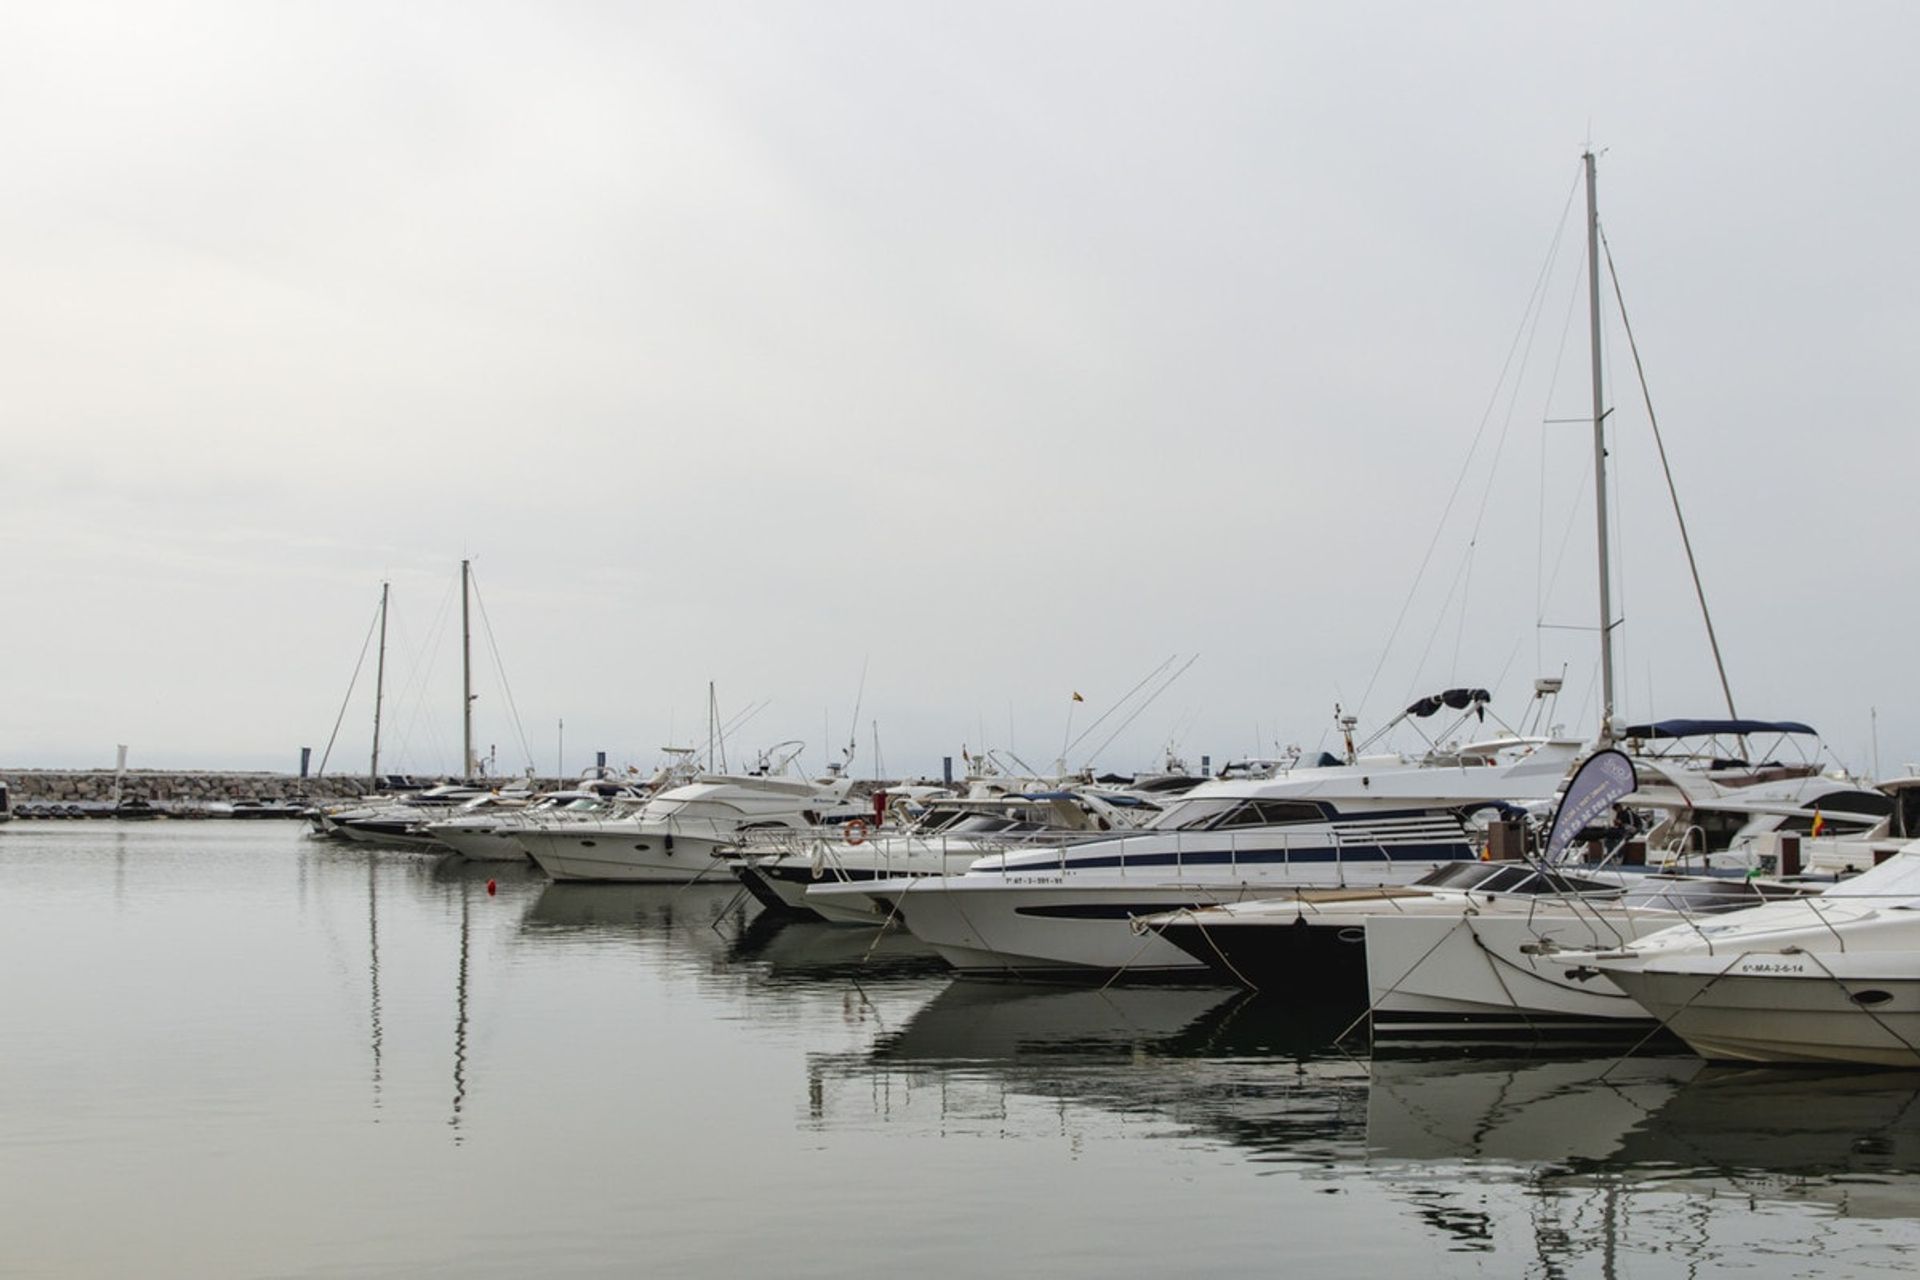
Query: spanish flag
[(1818, 823)]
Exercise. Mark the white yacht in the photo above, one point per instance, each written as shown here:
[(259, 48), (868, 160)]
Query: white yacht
[(1458, 944), (1499, 968), (1714, 790), (396, 820), (1829, 979), (676, 835), (491, 833), (1370, 823), (821, 872), (1837, 849), (1471, 946)]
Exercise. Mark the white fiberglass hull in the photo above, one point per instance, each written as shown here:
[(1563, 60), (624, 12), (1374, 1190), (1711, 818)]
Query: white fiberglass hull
[(481, 844), (390, 835), (849, 902), (1030, 921), (1828, 979), (1769, 1007), (1429, 973), (1051, 930), (797, 883), (629, 854)]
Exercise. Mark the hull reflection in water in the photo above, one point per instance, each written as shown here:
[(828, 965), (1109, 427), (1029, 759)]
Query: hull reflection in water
[(720, 931), (967, 1057), (1262, 1079), (631, 911), (793, 947), (984, 1021), (1849, 1140)]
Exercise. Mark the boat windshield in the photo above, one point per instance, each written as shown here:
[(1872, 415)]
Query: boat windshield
[(978, 824), (1190, 815), (940, 819), (1208, 812), (1507, 877), (1703, 896)]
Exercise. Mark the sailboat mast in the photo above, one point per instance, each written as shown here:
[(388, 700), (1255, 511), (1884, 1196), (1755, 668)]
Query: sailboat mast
[(1599, 458), (379, 684), (466, 675)]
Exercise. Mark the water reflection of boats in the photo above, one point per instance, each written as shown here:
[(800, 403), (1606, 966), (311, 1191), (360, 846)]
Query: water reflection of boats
[(451, 868), (639, 913), (1218, 1064), (792, 947), (1210, 1059), (975, 1021), (1514, 1111), (1846, 1141), (1849, 1140)]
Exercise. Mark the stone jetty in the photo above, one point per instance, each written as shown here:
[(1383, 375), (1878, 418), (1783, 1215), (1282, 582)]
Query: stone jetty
[(173, 786)]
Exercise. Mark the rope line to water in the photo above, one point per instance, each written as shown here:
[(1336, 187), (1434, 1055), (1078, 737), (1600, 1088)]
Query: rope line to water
[(1905, 1043), (1667, 1021), (1366, 1014)]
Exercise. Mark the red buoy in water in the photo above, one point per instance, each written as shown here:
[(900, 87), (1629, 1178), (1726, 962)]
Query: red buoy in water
[(492, 888)]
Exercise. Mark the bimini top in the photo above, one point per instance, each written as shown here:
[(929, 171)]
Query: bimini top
[(1705, 728)]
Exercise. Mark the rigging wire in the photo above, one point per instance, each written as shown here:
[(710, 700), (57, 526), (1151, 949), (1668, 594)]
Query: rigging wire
[(1542, 584), (493, 647), (339, 719), (1673, 492), (1466, 466), (1500, 445), (1420, 667), (1546, 580), (1122, 701), (422, 665), (1135, 714)]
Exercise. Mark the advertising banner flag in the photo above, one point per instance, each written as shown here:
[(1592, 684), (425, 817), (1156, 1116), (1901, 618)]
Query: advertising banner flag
[(1601, 782)]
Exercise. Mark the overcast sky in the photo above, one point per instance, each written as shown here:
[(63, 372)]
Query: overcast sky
[(997, 350)]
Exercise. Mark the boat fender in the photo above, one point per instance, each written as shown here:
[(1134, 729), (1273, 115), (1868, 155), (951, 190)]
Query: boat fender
[(666, 842)]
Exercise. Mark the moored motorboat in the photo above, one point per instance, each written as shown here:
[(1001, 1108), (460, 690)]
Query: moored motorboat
[(1067, 911), (677, 834), (492, 833), (1473, 943), (800, 871), (1829, 979)]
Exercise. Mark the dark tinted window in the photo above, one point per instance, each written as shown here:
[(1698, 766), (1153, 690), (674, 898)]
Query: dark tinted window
[(1278, 812)]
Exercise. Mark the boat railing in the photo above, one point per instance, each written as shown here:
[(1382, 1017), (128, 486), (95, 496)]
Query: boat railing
[(1680, 848), (887, 849)]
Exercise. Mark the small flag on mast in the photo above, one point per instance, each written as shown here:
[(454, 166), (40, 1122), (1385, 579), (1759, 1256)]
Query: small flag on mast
[(1077, 697)]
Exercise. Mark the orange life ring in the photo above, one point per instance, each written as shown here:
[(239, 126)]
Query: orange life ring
[(856, 831)]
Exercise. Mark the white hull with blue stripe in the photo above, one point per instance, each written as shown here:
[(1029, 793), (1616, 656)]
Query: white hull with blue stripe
[(1374, 823)]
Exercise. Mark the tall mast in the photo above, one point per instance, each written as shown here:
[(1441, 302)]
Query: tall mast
[(1599, 459), (466, 676), (379, 684)]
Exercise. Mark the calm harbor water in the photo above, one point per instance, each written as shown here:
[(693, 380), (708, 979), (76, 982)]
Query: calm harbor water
[(232, 1050)]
